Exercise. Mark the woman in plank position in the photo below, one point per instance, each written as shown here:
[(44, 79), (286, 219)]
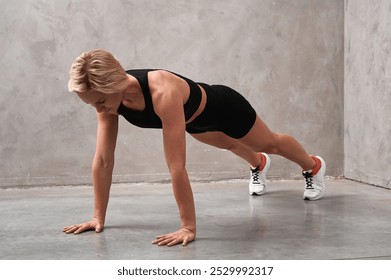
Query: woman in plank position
[(213, 114)]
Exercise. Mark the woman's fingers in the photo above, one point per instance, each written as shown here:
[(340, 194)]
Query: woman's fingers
[(174, 238), (79, 228)]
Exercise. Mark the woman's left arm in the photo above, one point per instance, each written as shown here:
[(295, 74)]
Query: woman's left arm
[(168, 105)]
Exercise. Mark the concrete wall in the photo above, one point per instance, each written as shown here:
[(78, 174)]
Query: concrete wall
[(286, 57), (368, 91)]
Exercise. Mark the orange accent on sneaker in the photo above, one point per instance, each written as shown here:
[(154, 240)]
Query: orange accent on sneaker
[(263, 162), (317, 166)]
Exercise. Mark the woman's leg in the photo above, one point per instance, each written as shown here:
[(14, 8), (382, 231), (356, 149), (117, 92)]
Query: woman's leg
[(261, 139), (260, 163), (222, 141)]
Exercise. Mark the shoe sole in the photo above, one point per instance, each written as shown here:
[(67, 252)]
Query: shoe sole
[(313, 198), (257, 193)]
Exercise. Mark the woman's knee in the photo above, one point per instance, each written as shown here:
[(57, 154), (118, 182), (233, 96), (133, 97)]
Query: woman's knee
[(273, 145)]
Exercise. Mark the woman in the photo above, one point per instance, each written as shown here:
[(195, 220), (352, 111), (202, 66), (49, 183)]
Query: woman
[(215, 115)]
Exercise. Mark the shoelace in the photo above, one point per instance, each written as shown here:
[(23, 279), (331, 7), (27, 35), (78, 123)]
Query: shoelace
[(308, 180), (255, 175)]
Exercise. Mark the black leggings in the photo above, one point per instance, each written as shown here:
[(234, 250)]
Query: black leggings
[(226, 110)]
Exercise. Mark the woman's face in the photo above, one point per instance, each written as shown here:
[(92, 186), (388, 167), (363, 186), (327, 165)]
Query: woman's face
[(103, 103)]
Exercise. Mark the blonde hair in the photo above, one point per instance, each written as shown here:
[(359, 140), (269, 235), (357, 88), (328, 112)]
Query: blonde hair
[(97, 70)]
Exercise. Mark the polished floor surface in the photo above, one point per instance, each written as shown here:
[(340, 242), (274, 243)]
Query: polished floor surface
[(351, 222)]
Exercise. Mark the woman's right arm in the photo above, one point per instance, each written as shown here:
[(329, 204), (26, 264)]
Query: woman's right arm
[(102, 171)]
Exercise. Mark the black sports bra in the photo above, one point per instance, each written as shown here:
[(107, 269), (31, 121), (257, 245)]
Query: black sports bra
[(148, 118)]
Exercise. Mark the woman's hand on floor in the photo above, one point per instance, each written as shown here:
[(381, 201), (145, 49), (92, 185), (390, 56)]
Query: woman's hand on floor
[(94, 224), (183, 236)]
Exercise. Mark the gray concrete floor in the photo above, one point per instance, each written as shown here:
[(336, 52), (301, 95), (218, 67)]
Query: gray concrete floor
[(351, 222)]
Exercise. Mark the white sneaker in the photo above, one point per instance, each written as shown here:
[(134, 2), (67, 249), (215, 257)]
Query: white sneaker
[(315, 186), (257, 185)]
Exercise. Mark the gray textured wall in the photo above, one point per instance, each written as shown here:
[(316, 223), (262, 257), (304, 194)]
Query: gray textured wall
[(286, 57), (368, 91)]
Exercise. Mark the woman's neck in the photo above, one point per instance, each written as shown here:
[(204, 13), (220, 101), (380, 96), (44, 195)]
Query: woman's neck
[(132, 96)]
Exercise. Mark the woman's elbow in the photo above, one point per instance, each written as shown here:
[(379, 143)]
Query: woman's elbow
[(103, 162)]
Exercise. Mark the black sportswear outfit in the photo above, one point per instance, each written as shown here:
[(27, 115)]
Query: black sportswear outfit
[(226, 110)]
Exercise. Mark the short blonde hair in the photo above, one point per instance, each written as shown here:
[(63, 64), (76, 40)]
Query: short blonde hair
[(97, 70)]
